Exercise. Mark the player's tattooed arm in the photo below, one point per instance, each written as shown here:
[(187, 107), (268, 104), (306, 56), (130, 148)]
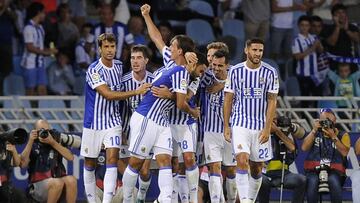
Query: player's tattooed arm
[(271, 96)]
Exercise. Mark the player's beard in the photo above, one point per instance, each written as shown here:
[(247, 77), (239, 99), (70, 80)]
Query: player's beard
[(252, 59)]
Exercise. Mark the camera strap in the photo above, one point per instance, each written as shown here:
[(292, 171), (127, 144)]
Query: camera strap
[(325, 148)]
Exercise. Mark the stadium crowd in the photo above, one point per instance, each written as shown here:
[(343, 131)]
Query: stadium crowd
[(110, 50)]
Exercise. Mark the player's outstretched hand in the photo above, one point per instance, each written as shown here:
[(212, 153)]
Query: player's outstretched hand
[(161, 92), (227, 134), (264, 136), (191, 58), (145, 9), (143, 88)]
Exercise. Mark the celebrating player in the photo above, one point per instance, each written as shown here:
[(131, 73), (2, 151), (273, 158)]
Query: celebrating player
[(254, 86), (102, 119)]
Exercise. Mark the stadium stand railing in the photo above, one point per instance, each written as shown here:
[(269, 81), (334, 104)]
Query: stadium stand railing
[(63, 111)]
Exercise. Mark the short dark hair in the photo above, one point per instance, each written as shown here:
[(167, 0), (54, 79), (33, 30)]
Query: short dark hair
[(61, 7), (34, 9), (141, 48), (218, 45), (316, 19), (337, 7), (106, 37), (202, 60), (251, 41), (222, 53), (185, 43), (303, 18)]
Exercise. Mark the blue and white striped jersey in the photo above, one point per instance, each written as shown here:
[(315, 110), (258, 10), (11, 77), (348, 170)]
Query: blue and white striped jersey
[(213, 119), (128, 106), (177, 117), (157, 109), (100, 113), (250, 88), (34, 34), (119, 30), (308, 65)]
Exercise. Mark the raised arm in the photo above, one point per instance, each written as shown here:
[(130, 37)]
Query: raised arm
[(153, 31), (25, 155)]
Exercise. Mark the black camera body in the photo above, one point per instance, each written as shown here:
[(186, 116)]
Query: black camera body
[(326, 124), (44, 133), (284, 123), (14, 136), (66, 139)]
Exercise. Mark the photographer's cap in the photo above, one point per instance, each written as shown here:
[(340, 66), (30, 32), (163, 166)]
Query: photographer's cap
[(327, 110)]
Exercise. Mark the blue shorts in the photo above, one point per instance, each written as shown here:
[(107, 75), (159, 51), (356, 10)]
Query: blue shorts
[(34, 77)]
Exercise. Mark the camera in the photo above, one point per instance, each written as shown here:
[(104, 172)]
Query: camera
[(283, 122), (326, 124), (323, 177), (67, 139), (14, 136)]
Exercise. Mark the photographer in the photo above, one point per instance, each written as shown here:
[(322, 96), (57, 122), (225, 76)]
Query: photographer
[(9, 158), (284, 148), (43, 155), (325, 163)]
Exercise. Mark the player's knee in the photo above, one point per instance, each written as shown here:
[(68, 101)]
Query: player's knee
[(189, 159), (70, 181), (243, 163), (90, 162), (163, 160), (230, 171), (215, 167), (56, 183)]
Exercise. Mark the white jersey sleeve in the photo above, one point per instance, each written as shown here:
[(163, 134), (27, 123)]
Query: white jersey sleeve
[(180, 81), (93, 78), (273, 83), (29, 34)]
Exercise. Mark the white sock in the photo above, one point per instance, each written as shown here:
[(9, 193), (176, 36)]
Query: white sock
[(222, 197), (165, 182), (215, 187), (254, 187), (110, 180), (129, 181), (90, 184), (143, 188), (192, 175), (183, 188), (174, 197), (242, 183), (231, 189)]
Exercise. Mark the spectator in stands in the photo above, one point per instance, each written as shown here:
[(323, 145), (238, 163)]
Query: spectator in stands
[(9, 159), (79, 12), (68, 33), (136, 28), (7, 30), (108, 25), (43, 157), (84, 50), (324, 10), (355, 177), (323, 65), (327, 149), (60, 75), (256, 18), (342, 36), (283, 134), (282, 28), (346, 83), (304, 49), (33, 58)]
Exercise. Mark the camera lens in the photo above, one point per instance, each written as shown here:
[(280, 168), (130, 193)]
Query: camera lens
[(43, 133)]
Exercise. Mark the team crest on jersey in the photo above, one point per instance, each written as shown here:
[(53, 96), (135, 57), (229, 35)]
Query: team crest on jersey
[(239, 146), (95, 77), (86, 150), (143, 149), (208, 157), (183, 83)]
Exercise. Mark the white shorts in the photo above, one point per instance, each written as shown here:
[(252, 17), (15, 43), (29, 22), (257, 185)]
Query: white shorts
[(92, 140), (185, 138), (146, 135), (217, 149), (246, 140)]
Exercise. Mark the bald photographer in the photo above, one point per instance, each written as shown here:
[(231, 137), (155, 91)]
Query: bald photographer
[(43, 157), (325, 163)]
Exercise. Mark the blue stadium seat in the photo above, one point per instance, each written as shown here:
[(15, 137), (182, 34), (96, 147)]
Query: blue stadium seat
[(327, 104), (235, 28), (14, 85), (200, 31), (292, 86), (201, 7), (16, 65)]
